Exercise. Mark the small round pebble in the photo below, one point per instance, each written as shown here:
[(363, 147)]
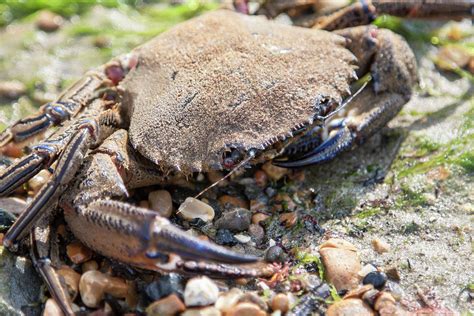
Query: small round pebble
[(206, 311), (168, 306), (164, 286), (259, 217), (49, 21), (226, 301), (224, 237), (351, 306), (380, 246), (161, 202), (275, 254), (261, 178), (200, 291), (71, 279), (236, 221), (257, 233), (280, 302), (246, 309), (376, 278), (51, 308), (12, 89), (193, 208), (78, 253)]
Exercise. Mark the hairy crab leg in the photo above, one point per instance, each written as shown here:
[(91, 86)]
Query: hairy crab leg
[(40, 249), (86, 135), (43, 154), (364, 12), (71, 102), (393, 71)]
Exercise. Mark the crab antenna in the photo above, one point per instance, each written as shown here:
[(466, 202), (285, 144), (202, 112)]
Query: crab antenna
[(251, 155)]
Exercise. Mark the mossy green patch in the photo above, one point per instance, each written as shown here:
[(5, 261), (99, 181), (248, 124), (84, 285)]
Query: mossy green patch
[(308, 258), (369, 212)]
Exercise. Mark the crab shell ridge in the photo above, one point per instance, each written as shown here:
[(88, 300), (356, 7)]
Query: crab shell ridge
[(226, 80)]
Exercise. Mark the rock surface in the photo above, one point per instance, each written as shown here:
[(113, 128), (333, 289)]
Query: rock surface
[(19, 284)]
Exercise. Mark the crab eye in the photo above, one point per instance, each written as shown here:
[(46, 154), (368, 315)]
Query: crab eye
[(232, 158)]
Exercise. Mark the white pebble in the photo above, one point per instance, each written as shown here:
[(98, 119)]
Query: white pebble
[(200, 291), (242, 238), (193, 208)]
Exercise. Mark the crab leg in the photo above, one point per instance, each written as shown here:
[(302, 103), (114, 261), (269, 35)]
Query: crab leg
[(42, 155), (67, 106), (393, 73), (364, 11), (86, 135), (40, 248)]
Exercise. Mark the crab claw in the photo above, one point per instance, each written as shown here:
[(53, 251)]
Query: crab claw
[(342, 140), (170, 239)]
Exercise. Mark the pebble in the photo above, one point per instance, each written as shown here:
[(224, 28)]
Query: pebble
[(376, 278), (161, 202), (193, 208), (251, 297), (451, 57), (246, 309), (273, 172), (341, 262), (393, 274), (380, 246), (226, 301), (171, 283), (366, 270), (71, 279), (51, 308), (351, 306), (275, 254), (90, 265), (207, 311), (261, 178), (243, 239), (168, 306), (12, 89), (236, 221), (93, 285), (259, 217), (280, 302), (200, 291), (257, 233), (225, 237), (78, 253), (48, 21), (233, 201), (323, 291), (11, 150), (37, 182), (288, 219)]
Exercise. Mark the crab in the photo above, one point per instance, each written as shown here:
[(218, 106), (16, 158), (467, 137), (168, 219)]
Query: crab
[(217, 92)]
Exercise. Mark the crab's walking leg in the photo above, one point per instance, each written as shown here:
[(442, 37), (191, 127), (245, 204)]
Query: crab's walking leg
[(132, 234), (87, 134), (392, 67), (71, 102), (43, 154), (64, 108), (363, 12), (40, 249)]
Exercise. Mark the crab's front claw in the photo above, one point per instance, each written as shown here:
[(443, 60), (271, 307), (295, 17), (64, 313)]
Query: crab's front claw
[(169, 239), (141, 237), (342, 140)]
